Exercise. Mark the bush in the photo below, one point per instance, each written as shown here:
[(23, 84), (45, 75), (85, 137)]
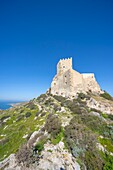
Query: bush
[(92, 122), (25, 156), (59, 98), (28, 114), (76, 151), (42, 97), (82, 143), (4, 117), (109, 163), (40, 145), (110, 116), (79, 135), (58, 137), (83, 96), (53, 124), (106, 96), (43, 114), (37, 114), (20, 117), (31, 106)]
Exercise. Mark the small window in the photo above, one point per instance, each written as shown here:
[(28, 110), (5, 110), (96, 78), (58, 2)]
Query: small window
[(65, 76), (65, 82), (63, 66), (54, 84)]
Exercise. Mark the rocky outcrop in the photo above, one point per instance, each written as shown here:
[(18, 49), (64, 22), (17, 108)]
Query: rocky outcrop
[(98, 103), (53, 157)]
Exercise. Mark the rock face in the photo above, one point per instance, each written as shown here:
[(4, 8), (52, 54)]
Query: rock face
[(104, 106), (57, 158), (68, 82), (53, 157)]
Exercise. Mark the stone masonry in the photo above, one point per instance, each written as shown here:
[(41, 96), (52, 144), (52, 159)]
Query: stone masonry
[(68, 82)]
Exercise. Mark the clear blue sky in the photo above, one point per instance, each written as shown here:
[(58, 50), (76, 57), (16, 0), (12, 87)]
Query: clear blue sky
[(35, 34)]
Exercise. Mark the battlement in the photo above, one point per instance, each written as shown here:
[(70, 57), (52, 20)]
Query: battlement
[(64, 65)]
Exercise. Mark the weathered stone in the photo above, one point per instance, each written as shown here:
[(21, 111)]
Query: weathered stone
[(69, 82)]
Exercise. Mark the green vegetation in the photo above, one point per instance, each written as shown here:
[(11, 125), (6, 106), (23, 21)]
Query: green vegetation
[(81, 141), (106, 96), (109, 162), (110, 116), (107, 143), (16, 127), (55, 140), (53, 124), (75, 126), (40, 144)]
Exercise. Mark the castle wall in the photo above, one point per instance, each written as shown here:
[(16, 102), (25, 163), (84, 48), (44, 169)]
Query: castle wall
[(90, 83), (68, 82)]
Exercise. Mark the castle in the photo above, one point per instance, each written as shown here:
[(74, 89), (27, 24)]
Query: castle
[(68, 82)]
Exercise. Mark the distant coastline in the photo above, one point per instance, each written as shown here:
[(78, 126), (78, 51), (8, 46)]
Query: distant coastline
[(4, 105)]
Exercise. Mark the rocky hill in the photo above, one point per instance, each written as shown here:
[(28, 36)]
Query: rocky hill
[(58, 133)]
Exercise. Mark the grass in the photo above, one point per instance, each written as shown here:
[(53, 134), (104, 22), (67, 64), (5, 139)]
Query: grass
[(107, 143), (15, 131)]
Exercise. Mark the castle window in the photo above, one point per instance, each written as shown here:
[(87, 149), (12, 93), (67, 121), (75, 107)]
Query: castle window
[(65, 76), (65, 82), (63, 66), (54, 84)]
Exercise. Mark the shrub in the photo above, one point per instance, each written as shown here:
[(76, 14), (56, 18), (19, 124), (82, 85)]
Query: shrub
[(25, 156), (43, 114), (59, 98), (58, 137), (110, 116), (106, 96), (40, 144), (31, 105), (4, 117), (83, 96), (92, 160), (28, 114), (37, 114), (42, 97), (107, 143), (76, 151), (79, 135), (82, 143), (93, 122), (20, 117), (53, 124), (109, 162)]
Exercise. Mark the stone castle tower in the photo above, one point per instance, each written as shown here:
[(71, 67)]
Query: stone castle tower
[(68, 82)]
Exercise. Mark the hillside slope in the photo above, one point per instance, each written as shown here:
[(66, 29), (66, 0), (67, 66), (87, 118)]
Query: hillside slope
[(53, 132)]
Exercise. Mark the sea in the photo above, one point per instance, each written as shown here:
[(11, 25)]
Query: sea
[(7, 104)]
